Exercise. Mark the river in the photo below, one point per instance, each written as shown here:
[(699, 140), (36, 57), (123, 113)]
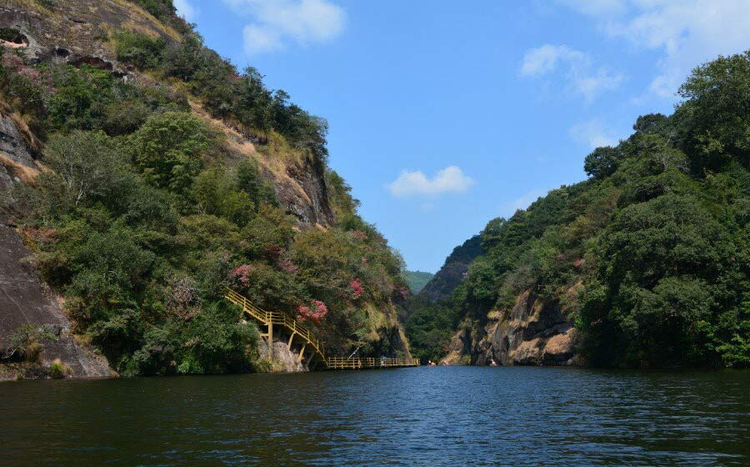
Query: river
[(411, 416)]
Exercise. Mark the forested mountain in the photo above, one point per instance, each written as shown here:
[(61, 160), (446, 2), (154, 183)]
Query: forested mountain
[(429, 321), (146, 174), (646, 263)]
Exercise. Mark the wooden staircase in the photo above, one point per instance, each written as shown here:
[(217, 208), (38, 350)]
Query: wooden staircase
[(269, 319)]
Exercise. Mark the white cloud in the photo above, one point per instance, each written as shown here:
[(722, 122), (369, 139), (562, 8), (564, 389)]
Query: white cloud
[(277, 22), (522, 202), (415, 183), (186, 10), (686, 32), (544, 59), (593, 133), (577, 66), (259, 38)]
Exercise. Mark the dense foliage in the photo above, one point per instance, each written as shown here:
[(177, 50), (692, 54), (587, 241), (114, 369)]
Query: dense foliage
[(239, 98), (650, 255), (142, 220)]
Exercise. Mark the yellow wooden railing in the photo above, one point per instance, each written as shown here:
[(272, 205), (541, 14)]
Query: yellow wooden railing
[(341, 363), (271, 318)]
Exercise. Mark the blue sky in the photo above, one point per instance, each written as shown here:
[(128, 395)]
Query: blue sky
[(446, 114)]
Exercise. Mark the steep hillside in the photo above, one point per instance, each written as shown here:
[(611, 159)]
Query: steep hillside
[(646, 263), (146, 174)]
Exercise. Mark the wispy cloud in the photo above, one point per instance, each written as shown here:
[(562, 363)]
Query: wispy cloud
[(276, 23), (186, 10), (593, 133), (415, 183), (582, 77), (687, 32), (600, 8)]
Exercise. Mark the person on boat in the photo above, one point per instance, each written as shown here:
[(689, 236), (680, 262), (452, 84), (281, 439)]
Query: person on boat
[(493, 362)]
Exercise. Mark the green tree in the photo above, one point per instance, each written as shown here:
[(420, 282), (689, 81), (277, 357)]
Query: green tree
[(169, 149), (88, 167)]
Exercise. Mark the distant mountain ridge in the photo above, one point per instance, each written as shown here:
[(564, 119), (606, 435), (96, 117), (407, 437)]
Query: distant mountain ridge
[(453, 271), (416, 280)]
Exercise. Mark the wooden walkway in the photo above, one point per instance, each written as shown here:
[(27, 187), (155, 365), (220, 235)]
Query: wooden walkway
[(271, 319)]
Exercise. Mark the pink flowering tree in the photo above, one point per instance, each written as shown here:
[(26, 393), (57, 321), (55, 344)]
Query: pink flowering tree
[(356, 288), (315, 313), (241, 274)]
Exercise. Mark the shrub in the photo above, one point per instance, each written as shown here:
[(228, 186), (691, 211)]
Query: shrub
[(25, 341), (139, 49), (58, 370)]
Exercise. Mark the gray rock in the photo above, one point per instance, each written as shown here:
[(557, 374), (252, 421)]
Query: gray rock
[(23, 301), (12, 144)]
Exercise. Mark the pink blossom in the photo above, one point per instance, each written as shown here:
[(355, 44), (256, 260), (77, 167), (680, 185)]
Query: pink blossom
[(356, 287), (315, 314), (242, 274)]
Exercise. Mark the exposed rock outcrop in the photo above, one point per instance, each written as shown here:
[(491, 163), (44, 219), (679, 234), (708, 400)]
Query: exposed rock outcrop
[(310, 204), (76, 27), (533, 332), (285, 360), (459, 349), (12, 145), (23, 301)]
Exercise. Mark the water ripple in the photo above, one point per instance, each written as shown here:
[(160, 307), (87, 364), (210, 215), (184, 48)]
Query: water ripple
[(422, 416)]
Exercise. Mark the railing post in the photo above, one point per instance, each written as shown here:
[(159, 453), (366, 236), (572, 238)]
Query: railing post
[(270, 339)]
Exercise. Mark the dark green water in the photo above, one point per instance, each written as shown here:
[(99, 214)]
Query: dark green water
[(417, 416)]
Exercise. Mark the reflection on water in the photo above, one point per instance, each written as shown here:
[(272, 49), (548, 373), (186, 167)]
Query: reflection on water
[(411, 416)]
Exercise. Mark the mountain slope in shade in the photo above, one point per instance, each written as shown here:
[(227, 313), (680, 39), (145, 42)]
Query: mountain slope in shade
[(416, 280), (453, 270)]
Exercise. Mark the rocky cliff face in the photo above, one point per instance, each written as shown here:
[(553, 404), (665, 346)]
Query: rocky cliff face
[(24, 301), (533, 332)]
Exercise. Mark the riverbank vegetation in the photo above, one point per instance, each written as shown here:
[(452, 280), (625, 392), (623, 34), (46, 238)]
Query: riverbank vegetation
[(652, 252), (144, 215)]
